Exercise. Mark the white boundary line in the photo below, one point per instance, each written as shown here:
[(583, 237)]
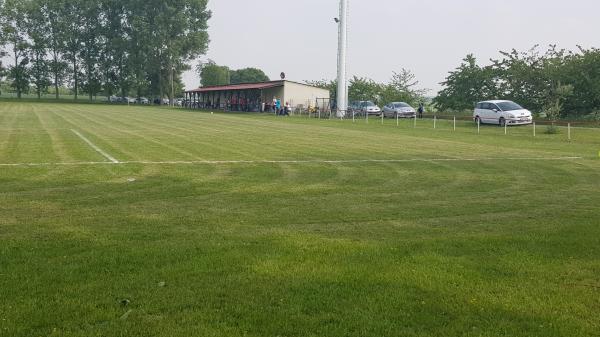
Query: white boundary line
[(97, 149), (356, 161)]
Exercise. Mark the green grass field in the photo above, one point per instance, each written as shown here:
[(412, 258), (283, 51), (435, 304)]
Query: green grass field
[(250, 225)]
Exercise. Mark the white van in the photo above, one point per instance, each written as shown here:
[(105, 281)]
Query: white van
[(501, 113)]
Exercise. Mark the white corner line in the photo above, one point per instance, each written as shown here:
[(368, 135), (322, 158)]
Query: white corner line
[(97, 149)]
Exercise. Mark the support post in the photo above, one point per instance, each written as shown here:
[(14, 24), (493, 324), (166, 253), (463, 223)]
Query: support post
[(454, 123), (342, 89)]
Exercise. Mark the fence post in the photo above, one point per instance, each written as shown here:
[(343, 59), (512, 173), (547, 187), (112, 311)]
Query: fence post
[(478, 126), (569, 130), (397, 120), (382, 118), (533, 129), (505, 128), (434, 122), (415, 121), (454, 123)]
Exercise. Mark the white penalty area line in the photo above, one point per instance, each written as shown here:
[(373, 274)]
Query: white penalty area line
[(96, 148), (350, 161)]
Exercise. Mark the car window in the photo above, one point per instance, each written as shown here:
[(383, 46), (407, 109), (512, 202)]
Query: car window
[(509, 106), (493, 107)]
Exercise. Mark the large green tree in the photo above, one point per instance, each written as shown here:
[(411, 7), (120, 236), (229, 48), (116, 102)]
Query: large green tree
[(466, 85), (115, 54), (37, 28), (13, 29), (364, 89), (213, 74), (70, 17), (51, 11), (178, 30), (248, 75), (92, 42)]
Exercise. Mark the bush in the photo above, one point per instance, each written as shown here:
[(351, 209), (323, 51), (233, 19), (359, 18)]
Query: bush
[(552, 130), (594, 116)]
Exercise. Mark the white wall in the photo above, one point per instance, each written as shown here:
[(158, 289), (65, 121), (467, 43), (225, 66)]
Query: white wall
[(300, 94)]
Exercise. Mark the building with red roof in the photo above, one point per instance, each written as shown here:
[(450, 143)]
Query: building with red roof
[(257, 96)]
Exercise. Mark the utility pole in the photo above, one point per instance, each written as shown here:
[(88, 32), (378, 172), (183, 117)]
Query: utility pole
[(342, 89)]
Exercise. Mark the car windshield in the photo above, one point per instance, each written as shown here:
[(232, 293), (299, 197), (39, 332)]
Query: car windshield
[(509, 106), (402, 105), (369, 104)]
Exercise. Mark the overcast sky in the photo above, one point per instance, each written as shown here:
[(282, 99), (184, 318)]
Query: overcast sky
[(429, 37)]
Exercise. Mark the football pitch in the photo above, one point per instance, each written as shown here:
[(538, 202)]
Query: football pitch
[(143, 221)]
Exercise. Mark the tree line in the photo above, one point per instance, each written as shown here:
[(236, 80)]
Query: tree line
[(101, 47), (212, 74), (556, 82), (402, 87)]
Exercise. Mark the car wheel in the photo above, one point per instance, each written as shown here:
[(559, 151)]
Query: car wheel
[(477, 120), (502, 121)]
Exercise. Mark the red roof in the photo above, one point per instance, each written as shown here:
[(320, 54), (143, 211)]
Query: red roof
[(243, 86)]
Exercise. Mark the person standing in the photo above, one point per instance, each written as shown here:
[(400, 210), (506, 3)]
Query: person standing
[(278, 106), (287, 109), (421, 110), (274, 105)]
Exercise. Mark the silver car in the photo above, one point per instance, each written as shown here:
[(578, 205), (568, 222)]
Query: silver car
[(142, 100), (501, 113), (369, 108), (400, 110)]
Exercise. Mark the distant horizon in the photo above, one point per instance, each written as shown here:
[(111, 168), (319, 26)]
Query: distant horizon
[(426, 44)]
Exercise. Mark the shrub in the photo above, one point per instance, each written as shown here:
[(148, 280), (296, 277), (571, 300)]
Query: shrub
[(552, 130)]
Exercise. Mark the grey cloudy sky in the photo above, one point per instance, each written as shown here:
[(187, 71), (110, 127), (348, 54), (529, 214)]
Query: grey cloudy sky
[(429, 37)]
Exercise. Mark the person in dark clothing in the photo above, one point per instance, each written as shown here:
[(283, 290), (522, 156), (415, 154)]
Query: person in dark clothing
[(287, 109), (421, 110)]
